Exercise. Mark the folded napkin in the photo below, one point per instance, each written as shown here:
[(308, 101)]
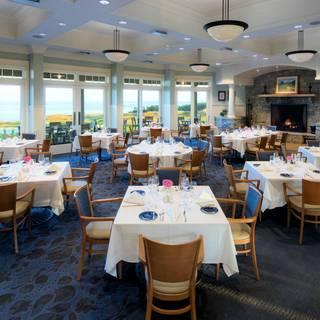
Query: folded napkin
[(1, 172), (53, 167), (265, 167), (205, 199), (134, 198)]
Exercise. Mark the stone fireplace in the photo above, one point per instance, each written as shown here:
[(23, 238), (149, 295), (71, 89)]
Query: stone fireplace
[(289, 117)]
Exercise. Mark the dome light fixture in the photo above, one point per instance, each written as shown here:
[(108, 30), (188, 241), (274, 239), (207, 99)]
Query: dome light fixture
[(116, 55), (199, 66), (225, 30), (301, 55)]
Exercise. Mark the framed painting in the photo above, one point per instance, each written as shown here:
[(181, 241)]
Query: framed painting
[(287, 85), (222, 96)]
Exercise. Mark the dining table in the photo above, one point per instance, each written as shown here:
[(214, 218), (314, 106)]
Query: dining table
[(104, 138), (14, 148), (312, 154), (163, 151), (175, 219), (272, 175), (45, 177)]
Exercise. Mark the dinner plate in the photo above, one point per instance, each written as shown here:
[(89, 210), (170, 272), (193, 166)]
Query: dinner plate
[(148, 215), (209, 209), (286, 175), (50, 172), (4, 178), (141, 192)]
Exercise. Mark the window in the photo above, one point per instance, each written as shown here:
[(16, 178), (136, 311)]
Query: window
[(58, 76), (93, 103), (200, 105), (130, 110), (184, 105), (150, 106), (10, 105)]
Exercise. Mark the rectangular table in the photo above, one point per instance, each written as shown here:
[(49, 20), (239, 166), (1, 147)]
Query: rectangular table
[(218, 241), (271, 182), (104, 138), (312, 154), (48, 187), (14, 148)]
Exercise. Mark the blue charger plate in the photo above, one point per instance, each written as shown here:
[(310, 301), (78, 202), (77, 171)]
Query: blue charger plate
[(148, 215), (209, 209), (141, 192)]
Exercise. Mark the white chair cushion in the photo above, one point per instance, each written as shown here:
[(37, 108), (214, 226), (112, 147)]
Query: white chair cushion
[(21, 207), (240, 231), (99, 230), (171, 287)]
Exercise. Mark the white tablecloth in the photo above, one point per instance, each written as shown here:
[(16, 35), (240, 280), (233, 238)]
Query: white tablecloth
[(218, 242), (164, 151), (14, 148), (312, 154), (48, 187), (105, 138), (271, 182), (145, 132)]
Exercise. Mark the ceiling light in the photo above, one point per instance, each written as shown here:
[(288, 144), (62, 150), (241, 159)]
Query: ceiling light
[(225, 30), (266, 58), (181, 49), (115, 54), (62, 24), (159, 33), (236, 51), (258, 70), (199, 66), (300, 55), (255, 55), (122, 22), (42, 34), (298, 26), (187, 38), (218, 63), (155, 53), (104, 2), (246, 36)]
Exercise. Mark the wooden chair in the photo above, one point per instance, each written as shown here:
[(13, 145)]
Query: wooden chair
[(203, 131), (285, 153), (42, 147), (155, 133), (253, 147), (238, 186), (220, 149), (80, 177), (243, 229), (15, 210), (271, 142), (119, 160), (264, 155), (170, 173), (87, 146), (134, 134), (95, 230), (171, 274), (304, 205), (283, 140), (122, 143), (204, 145), (1, 157), (37, 155), (192, 167), (141, 167)]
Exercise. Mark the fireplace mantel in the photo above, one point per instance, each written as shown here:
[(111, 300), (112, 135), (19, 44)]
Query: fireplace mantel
[(282, 95)]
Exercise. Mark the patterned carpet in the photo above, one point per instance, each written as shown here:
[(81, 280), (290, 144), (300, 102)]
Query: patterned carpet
[(41, 283)]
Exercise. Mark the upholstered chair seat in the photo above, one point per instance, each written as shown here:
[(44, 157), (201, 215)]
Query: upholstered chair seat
[(99, 230)]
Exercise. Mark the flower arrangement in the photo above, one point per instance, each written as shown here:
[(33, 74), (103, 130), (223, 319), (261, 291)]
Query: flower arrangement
[(167, 183), (27, 159)]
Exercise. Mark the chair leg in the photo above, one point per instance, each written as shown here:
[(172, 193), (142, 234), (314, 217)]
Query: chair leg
[(15, 238), (217, 271), (29, 222), (90, 250), (288, 217), (119, 270), (149, 306), (260, 216), (82, 255), (301, 229), (193, 305), (254, 260)]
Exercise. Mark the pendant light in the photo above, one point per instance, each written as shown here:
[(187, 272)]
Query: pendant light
[(301, 55), (199, 67), (116, 55), (225, 30)]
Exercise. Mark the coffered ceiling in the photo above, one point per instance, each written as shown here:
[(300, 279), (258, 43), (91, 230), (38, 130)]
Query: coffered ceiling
[(72, 26)]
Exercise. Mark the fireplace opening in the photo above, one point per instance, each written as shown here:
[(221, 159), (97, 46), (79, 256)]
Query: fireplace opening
[(291, 117)]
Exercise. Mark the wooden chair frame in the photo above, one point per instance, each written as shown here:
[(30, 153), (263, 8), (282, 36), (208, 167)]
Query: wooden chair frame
[(1, 157), (218, 147), (87, 146)]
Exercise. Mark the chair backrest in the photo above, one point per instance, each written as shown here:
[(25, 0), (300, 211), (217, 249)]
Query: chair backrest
[(284, 137), (46, 145), (36, 155), (155, 132), (229, 173), (197, 157), (139, 162), (1, 157), (82, 198), (93, 168), (172, 262), (204, 129), (170, 173), (253, 202), (29, 136), (263, 142), (264, 155), (284, 150), (217, 141), (313, 143), (311, 192), (8, 197), (272, 140), (126, 139), (203, 145), (85, 141)]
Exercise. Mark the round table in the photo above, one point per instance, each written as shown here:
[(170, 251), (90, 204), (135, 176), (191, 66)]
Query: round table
[(165, 152)]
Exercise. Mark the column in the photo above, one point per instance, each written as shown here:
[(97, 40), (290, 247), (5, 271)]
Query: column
[(36, 112), (168, 111), (116, 116), (231, 113)]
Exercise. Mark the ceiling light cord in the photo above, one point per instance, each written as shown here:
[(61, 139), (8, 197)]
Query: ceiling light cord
[(199, 53), (116, 39), (225, 9), (300, 39)]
